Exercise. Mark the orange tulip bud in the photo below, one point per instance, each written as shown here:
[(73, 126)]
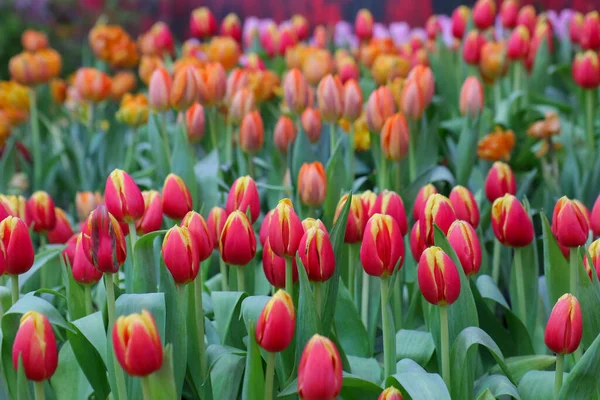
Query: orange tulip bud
[(252, 133), (484, 14), (511, 223), (394, 138), (200, 234), (92, 84), (500, 180), (330, 98), (237, 80), (237, 242), (382, 246), (312, 184), (276, 323), (379, 108), (223, 50), (316, 65), (284, 134), (471, 97), (316, 252), (352, 100), (421, 199), (123, 82), (285, 229), (363, 24), (438, 210), (147, 66), (590, 32), (137, 344), (311, 123), (390, 203), (357, 219), (320, 370), (242, 103), (58, 90), (195, 122), (508, 13), (62, 231), (86, 202), (586, 70), (215, 224), (181, 254), (152, 219), (202, 23), (463, 239), (517, 46), (232, 27), (464, 205), (185, 89), (569, 223), (41, 212), (412, 102), (496, 145), (212, 84), (424, 77), (33, 40), (565, 326), (159, 90), (390, 393), (460, 17), (123, 197), (82, 269), (295, 91), (35, 346), (492, 64), (274, 266), (104, 241), (243, 195), (438, 277), (17, 252), (176, 198)]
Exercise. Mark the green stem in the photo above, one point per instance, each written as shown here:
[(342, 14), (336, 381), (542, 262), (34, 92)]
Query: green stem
[(35, 139), (351, 271), (497, 95), (520, 285), (228, 143), (270, 375), (38, 387), (383, 183), (165, 136), (89, 306), (132, 237), (412, 162), (590, 100), (397, 303), (558, 377), (251, 170), (364, 301), (112, 311), (496, 262), (223, 268), (389, 341), (289, 277), (131, 149), (445, 344), (43, 270), (516, 76), (199, 312), (213, 129), (573, 287), (331, 139), (91, 117), (241, 287), (14, 285), (398, 183), (351, 153), (146, 390), (318, 298)]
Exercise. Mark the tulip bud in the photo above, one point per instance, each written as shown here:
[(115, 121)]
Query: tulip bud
[(301, 26), (202, 23), (17, 253), (527, 17), (123, 197), (471, 97), (352, 100), (465, 242), (284, 134), (159, 90), (252, 133), (276, 323), (285, 229), (576, 27), (104, 241), (68, 253), (232, 27), (35, 345), (316, 252), (511, 223), (379, 108), (347, 70), (152, 219), (330, 98), (82, 269), (33, 40), (492, 64), (438, 277), (92, 84), (500, 180), (137, 344), (460, 17), (311, 123), (368, 200), (181, 254), (41, 212), (382, 246), (212, 84), (484, 14), (517, 46), (472, 47), (195, 122), (176, 198), (417, 245), (357, 219), (390, 203), (438, 210), (594, 255), (421, 199), (509, 12), (122, 83), (295, 91), (395, 138), (184, 90), (237, 242), (196, 224), (424, 77), (242, 103), (215, 224), (274, 266), (312, 184), (590, 32), (390, 393), (62, 230), (86, 202), (243, 195), (263, 232), (363, 25), (412, 102), (464, 204), (320, 370), (586, 70), (569, 224), (58, 90), (564, 329), (308, 223)]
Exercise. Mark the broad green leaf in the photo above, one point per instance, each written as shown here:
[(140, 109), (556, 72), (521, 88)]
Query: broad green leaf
[(226, 375), (145, 267), (227, 308), (419, 385), (254, 379), (75, 294), (207, 175), (530, 275), (589, 297), (47, 259), (365, 368), (307, 320), (415, 345), (356, 388), (519, 366), (182, 161), (497, 386), (537, 385), (582, 382), (162, 382), (69, 382), (350, 330), (335, 170)]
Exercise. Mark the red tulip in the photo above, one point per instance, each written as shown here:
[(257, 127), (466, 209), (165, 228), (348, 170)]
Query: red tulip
[(17, 253), (438, 277), (368, 200), (137, 344), (68, 254), (421, 199), (62, 231), (181, 255), (83, 270), (500, 180), (484, 14), (511, 223), (316, 252), (285, 229), (594, 253), (203, 23), (308, 223), (357, 219), (237, 243), (569, 223), (438, 210), (509, 12), (382, 246), (363, 24), (176, 198), (464, 241), (589, 38), (472, 45), (41, 212), (575, 27), (153, 216), (243, 195), (200, 234), (464, 204), (35, 345), (232, 27), (274, 267), (517, 46), (122, 197), (330, 97), (390, 393), (586, 70), (216, 221), (564, 329), (417, 245), (460, 17), (103, 241), (276, 323), (320, 370), (390, 203)]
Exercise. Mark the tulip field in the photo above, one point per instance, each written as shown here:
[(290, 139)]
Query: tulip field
[(286, 211)]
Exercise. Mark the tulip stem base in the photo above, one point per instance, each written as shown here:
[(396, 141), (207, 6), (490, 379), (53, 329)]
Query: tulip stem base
[(445, 344), (520, 286), (146, 390), (165, 134), (199, 312), (496, 262), (351, 154), (43, 271), (112, 311), (35, 139), (383, 179), (251, 169), (89, 306), (38, 387), (351, 271), (387, 326), (132, 237), (241, 287), (590, 100), (223, 268), (14, 285), (558, 378), (397, 302), (228, 144), (573, 283), (413, 129), (289, 277), (331, 139), (270, 375), (364, 301)]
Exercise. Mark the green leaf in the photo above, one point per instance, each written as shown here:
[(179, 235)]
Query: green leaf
[(466, 150), (519, 366), (582, 382), (365, 368), (496, 385), (159, 154), (75, 294), (335, 171), (415, 345), (589, 297), (182, 161), (69, 381), (254, 380), (537, 385), (486, 395), (227, 371), (162, 382), (307, 320), (145, 265), (48, 259), (23, 389), (416, 384), (227, 309), (351, 331), (530, 277), (356, 388), (207, 175)]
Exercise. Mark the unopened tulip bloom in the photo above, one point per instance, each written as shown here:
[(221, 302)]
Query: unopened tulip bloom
[(575, 27), (82, 269), (215, 223), (589, 38), (390, 203), (203, 23), (237, 242), (285, 229), (379, 108), (308, 223), (417, 245), (564, 329), (295, 91), (237, 79), (195, 122), (17, 253), (390, 393), (395, 138), (517, 46), (181, 255), (460, 17), (352, 100), (511, 223), (274, 267), (92, 84), (424, 77), (301, 26), (62, 231), (276, 323), (68, 253), (472, 47), (509, 12), (438, 277), (232, 27), (252, 133), (492, 64), (133, 110), (311, 123), (595, 217), (527, 17), (363, 24), (123, 197), (212, 84), (137, 344), (41, 212), (569, 224), (357, 219), (33, 40), (421, 199), (586, 70), (312, 184), (122, 83), (500, 180), (594, 255), (368, 200), (243, 195), (471, 97), (35, 347), (438, 210), (86, 202), (200, 234), (176, 198), (316, 252), (263, 232), (382, 246), (484, 14), (184, 90), (330, 98), (242, 103), (465, 242), (284, 134), (320, 370), (153, 213), (104, 241), (464, 204)]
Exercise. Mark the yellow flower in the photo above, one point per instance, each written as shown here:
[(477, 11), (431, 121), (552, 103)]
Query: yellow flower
[(133, 110), (362, 138)]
